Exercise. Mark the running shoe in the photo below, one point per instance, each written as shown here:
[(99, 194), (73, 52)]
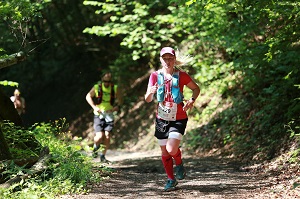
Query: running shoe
[(180, 171), (171, 185), (103, 159)]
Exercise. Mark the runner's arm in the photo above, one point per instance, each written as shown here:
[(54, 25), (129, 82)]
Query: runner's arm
[(151, 90), (195, 88), (196, 91), (89, 98)]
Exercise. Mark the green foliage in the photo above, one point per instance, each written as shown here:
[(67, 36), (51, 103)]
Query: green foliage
[(9, 83), (72, 162), (20, 141), (140, 27), (69, 169), (260, 46), (16, 10), (14, 16), (293, 128), (245, 59)]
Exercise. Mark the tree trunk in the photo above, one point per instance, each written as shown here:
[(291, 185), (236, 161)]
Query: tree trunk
[(4, 150)]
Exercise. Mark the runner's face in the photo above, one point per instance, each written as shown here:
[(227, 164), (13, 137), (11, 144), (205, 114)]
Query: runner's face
[(167, 60), (106, 82)]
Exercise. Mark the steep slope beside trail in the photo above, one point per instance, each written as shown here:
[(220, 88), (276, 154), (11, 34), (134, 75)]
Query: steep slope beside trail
[(141, 175)]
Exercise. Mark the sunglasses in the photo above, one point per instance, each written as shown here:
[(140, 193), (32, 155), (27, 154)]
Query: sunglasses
[(168, 58)]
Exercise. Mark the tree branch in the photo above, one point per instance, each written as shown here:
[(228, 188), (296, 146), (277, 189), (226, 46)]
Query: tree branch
[(12, 59)]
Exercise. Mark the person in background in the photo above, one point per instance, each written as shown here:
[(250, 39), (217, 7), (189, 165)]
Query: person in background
[(104, 99), (19, 102), (171, 117)]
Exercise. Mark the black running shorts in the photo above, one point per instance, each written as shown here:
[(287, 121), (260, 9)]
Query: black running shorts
[(102, 125), (163, 128)]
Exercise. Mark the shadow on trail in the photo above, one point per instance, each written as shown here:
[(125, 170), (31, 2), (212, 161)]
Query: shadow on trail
[(207, 177)]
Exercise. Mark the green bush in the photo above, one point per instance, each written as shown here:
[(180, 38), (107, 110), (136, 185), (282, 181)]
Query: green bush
[(69, 168)]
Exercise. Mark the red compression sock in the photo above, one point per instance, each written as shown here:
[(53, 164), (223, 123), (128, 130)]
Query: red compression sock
[(177, 157), (168, 165)]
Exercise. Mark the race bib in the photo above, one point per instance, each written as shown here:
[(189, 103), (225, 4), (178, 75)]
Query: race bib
[(167, 111)]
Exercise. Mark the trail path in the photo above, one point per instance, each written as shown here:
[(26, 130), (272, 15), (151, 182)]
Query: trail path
[(140, 175)]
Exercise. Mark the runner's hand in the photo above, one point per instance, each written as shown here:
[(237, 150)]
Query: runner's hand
[(97, 109), (153, 88), (189, 105)]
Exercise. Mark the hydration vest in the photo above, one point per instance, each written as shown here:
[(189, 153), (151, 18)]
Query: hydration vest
[(99, 93), (177, 96)]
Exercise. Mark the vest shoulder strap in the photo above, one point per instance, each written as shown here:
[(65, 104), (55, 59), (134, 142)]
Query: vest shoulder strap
[(175, 79), (160, 77), (97, 86)]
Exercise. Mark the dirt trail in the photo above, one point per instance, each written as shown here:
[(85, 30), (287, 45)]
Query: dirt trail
[(140, 175)]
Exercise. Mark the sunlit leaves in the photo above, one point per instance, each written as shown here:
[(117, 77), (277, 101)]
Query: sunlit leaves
[(92, 3), (15, 15), (9, 83), (17, 10), (139, 31), (68, 170)]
